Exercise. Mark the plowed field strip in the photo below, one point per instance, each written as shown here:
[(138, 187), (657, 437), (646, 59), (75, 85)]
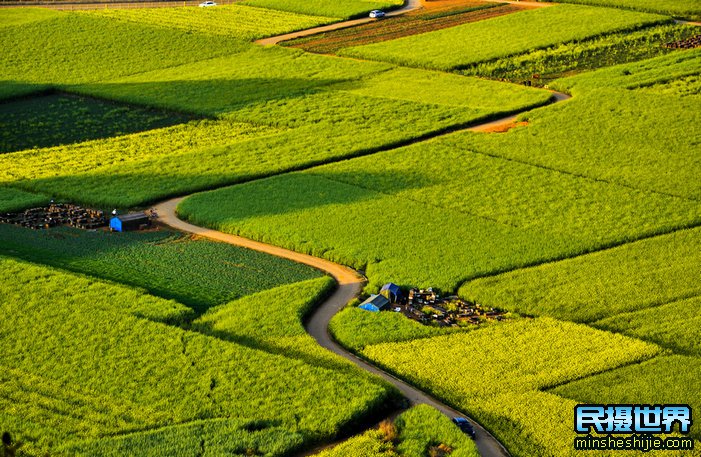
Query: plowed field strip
[(397, 27)]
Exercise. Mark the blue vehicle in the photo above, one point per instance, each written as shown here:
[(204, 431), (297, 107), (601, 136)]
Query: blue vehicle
[(465, 426)]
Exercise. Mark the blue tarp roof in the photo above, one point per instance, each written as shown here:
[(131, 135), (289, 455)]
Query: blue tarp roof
[(370, 307), (392, 288), (376, 301)]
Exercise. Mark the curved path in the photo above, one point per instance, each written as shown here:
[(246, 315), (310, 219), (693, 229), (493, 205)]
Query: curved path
[(350, 284), (410, 5), (504, 121)]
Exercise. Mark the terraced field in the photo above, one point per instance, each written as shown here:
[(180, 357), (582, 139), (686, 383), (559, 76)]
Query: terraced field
[(235, 21), (255, 127), (545, 66), (685, 9), (640, 275), (495, 215), (583, 220), (33, 123), (472, 43), (425, 20), (198, 273), (463, 210), (501, 385)]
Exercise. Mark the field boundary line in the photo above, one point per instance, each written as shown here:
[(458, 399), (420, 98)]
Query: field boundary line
[(576, 175), (662, 353), (611, 246)]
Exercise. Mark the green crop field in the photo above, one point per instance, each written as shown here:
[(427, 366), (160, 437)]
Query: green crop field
[(57, 119), (125, 171), (684, 86), (542, 66), (685, 9), (471, 43), (643, 74), (628, 278), (57, 395), (675, 325), (86, 43), (15, 199), (201, 274), (656, 153), (453, 365), (331, 8), (15, 16), (662, 380), (582, 219), (357, 328), (419, 431), (469, 205), (496, 375), (272, 320), (480, 226), (266, 125)]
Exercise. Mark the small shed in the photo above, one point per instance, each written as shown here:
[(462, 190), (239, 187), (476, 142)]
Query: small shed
[(375, 303), (127, 222), (392, 291)]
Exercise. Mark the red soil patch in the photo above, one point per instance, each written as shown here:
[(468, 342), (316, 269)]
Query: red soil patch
[(438, 5), (689, 43), (504, 127)]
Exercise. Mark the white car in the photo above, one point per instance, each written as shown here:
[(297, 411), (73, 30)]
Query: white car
[(208, 3), (376, 14)]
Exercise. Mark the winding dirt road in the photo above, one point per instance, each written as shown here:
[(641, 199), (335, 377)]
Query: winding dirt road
[(350, 284), (505, 121)]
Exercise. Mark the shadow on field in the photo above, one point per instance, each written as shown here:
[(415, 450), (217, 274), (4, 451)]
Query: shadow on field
[(286, 194), (13, 90), (53, 118), (163, 263), (211, 97)]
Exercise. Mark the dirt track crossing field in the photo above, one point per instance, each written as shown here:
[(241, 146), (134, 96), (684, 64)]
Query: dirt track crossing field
[(350, 285)]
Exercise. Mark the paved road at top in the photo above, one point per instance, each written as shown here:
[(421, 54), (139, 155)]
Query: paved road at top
[(410, 5)]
